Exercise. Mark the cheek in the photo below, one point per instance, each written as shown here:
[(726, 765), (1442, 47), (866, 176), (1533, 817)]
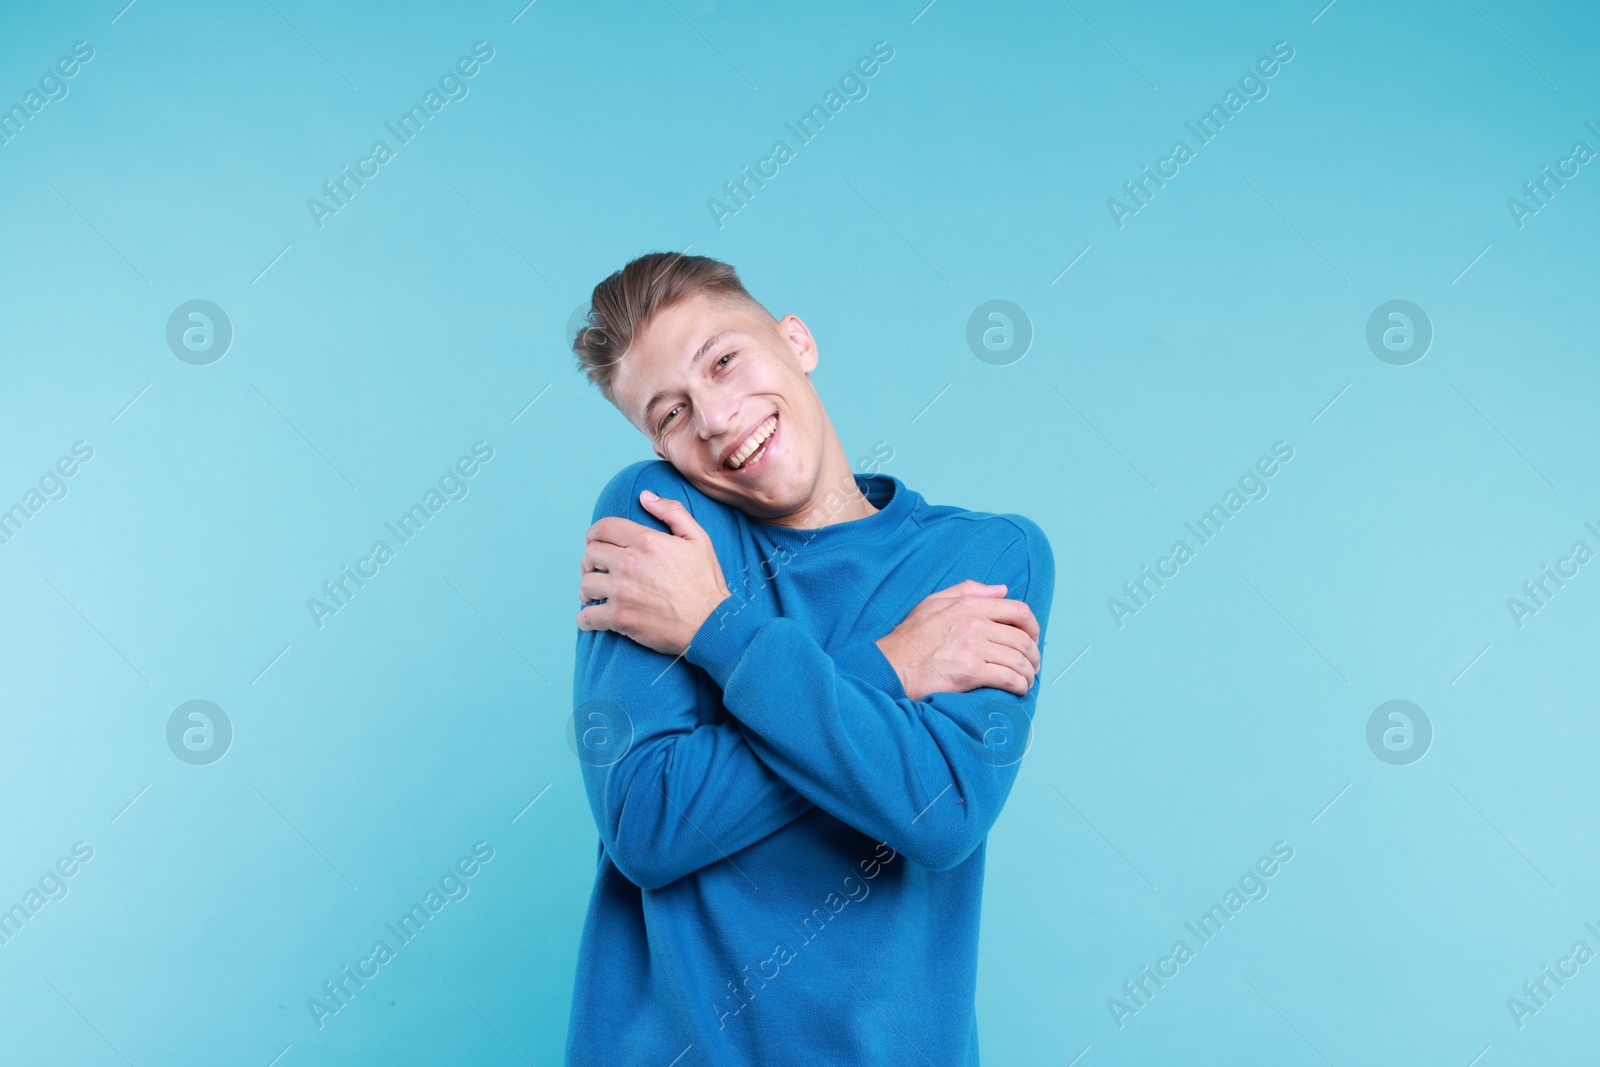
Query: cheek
[(685, 451)]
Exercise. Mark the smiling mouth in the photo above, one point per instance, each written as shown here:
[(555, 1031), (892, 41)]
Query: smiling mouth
[(754, 446)]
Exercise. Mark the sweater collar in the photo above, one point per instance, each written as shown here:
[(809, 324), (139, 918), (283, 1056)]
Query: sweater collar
[(886, 492)]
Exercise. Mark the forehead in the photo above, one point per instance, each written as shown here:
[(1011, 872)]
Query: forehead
[(661, 353), (678, 329)]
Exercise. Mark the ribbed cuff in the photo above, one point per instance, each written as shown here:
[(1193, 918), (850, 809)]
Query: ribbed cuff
[(866, 661), (720, 643)]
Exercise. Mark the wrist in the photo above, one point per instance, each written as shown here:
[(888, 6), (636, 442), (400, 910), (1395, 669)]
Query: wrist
[(720, 642), (893, 651), (868, 663), (694, 620)]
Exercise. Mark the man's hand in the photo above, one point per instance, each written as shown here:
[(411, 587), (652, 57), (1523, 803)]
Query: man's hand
[(658, 587), (963, 638)]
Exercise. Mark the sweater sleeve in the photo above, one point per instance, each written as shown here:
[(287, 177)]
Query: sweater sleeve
[(672, 789), (926, 776)]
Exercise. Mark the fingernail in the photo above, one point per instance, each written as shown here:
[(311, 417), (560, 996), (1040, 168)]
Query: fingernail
[(648, 495)]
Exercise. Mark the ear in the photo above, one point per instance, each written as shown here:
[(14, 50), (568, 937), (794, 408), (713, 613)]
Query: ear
[(800, 339)]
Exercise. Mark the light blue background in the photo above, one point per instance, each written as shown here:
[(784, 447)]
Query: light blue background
[(428, 313)]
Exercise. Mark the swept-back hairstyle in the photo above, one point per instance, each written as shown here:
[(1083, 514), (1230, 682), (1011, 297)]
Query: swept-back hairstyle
[(624, 303)]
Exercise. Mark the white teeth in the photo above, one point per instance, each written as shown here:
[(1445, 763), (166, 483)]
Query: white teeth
[(750, 447)]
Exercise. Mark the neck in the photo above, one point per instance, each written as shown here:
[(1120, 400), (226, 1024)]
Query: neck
[(837, 497)]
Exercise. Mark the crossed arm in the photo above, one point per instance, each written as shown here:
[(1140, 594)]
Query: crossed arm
[(674, 791)]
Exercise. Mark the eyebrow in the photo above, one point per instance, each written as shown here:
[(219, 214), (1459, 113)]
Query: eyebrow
[(707, 346)]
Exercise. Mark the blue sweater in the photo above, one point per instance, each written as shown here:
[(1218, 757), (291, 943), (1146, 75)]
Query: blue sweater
[(791, 849)]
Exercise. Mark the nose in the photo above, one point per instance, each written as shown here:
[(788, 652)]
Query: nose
[(714, 415)]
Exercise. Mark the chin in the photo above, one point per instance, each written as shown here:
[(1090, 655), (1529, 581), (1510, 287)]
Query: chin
[(754, 502), (776, 495)]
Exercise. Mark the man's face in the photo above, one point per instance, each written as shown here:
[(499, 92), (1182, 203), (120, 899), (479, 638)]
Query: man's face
[(724, 394)]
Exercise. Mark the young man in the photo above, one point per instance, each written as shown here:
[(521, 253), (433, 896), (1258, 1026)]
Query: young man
[(793, 777)]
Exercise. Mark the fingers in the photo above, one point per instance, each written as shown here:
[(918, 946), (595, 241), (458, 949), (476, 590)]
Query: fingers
[(985, 676), (600, 556), (970, 587), (596, 585), (595, 617), (1014, 661), (673, 513), (999, 676), (1000, 634), (616, 530), (1011, 612)]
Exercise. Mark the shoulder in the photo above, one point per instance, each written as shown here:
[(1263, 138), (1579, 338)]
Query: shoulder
[(1016, 545), (621, 494), (620, 497), (1026, 546), (1028, 533), (992, 531)]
